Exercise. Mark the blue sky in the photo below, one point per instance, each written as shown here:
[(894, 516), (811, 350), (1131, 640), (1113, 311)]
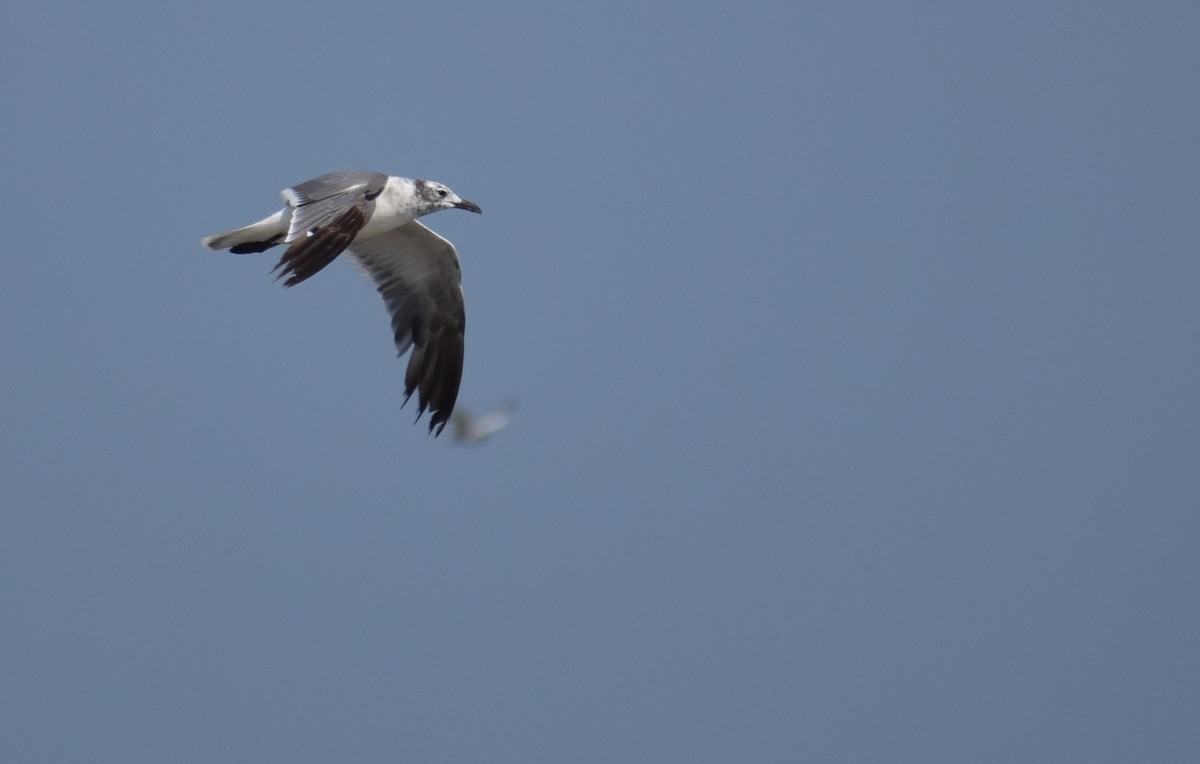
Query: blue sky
[(856, 346)]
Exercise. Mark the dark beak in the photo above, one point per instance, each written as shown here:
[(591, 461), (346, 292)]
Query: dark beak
[(465, 205)]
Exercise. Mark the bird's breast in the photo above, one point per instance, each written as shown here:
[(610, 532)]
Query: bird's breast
[(393, 208)]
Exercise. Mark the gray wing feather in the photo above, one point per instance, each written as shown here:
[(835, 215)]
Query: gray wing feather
[(331, 185), (417, 273), (327, 213), (320, 201)]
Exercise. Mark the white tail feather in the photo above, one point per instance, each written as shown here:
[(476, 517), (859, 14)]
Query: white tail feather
[(264, 230)]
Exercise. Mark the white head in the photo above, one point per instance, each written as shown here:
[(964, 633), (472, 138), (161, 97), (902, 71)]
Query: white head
[(435, 196)]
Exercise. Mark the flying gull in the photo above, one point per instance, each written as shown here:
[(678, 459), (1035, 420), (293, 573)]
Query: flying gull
[(372, 219), (468, 429)]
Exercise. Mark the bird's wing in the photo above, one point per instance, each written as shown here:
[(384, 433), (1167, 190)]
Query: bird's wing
[(328, 212), (319, 201), (418, 275)]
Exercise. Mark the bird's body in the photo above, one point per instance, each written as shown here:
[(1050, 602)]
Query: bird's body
[(372, 219)]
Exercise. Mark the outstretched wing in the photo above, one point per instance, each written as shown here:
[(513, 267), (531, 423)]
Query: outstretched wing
[(328, 212), (417, 273)]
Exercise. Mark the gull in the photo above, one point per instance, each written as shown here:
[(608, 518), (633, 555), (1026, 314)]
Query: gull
[(467, 429), (371, 218)]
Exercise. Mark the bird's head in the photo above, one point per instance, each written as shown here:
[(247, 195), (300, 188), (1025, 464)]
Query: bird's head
[(435, 196)]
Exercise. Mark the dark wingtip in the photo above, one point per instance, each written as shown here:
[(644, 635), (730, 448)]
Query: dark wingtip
[(438, 422)]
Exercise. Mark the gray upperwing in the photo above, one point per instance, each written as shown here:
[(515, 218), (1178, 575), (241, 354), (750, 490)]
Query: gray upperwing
[(327, 213), (320, 201)]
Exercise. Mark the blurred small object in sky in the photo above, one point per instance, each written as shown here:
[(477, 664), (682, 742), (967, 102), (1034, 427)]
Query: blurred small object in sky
[(465, 429)]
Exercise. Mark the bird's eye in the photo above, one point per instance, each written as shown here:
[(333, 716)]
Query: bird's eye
[(442, 192)]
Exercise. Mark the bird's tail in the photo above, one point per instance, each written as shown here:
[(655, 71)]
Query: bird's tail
[(257, 237)]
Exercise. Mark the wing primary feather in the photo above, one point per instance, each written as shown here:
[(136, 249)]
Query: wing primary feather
[(446, 382), (417, 274), (308, 255)]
